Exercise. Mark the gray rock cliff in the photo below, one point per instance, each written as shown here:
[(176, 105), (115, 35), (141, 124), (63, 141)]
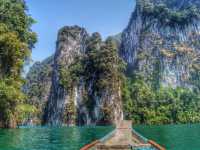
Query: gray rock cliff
[(68, 100), (161, 41)]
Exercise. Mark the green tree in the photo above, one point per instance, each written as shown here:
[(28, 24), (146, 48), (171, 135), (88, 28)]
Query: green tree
[(145, 105), (16, 41), (109, 65)]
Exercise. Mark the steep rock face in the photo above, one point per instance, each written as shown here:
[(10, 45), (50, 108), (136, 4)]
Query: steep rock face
[(73, 99), (103, 96), (162, 41), (70, 44), (104, 108)]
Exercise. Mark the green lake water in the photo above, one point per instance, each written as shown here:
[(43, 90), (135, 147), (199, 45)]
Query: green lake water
[(42, 138), (173, 137)]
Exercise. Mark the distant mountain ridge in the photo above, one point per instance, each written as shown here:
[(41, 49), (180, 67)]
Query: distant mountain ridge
[(38, 83)]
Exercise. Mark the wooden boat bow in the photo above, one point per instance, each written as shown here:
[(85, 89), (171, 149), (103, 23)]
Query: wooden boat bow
[(122, 138)]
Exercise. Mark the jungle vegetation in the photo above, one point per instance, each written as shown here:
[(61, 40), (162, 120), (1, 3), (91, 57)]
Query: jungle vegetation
[(144, 103), (166, 105), (16, 41)]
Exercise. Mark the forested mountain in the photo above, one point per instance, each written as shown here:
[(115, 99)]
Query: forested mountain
[(161, 48), (149, 73), (85, 81)]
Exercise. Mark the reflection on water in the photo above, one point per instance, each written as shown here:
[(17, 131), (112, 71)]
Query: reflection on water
[(41, 138), (174, 137)]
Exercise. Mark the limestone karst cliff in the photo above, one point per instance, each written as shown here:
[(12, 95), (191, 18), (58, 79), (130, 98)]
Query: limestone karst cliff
[(161, 41), (73, 98), (161, 45), (70, 44)]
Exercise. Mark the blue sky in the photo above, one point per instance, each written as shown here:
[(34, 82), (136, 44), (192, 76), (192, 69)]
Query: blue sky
[(107, 17)]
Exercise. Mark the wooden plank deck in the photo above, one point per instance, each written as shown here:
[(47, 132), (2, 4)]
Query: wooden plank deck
[(123, 135), (123, 138)]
